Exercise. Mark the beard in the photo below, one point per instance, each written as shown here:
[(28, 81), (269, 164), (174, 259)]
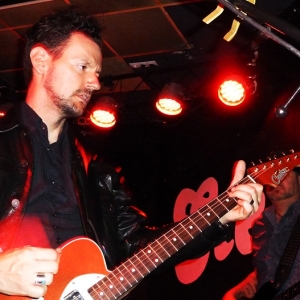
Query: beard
[(274, 196), (279, 194), (69, 107)]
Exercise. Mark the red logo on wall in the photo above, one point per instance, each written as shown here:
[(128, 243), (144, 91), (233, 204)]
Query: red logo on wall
[(189, 201)]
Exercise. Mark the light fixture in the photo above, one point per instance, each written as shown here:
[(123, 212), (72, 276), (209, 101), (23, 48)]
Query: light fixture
[(170, 99), (231, 92), (104, 112)]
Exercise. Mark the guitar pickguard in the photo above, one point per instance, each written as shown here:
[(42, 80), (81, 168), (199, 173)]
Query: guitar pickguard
[(77, 288)]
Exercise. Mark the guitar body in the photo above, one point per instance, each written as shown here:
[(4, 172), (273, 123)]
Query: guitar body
[(82, 264)]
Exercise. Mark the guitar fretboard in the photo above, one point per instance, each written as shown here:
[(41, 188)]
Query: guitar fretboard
[(131, 272)]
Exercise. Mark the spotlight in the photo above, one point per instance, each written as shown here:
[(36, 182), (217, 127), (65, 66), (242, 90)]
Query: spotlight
[(104, 112), (231, 92), (170, 99)]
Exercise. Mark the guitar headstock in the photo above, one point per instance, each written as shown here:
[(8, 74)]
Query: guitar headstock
[(275, 170)]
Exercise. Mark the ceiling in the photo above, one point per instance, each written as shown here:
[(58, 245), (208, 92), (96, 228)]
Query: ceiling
[(148, 43)]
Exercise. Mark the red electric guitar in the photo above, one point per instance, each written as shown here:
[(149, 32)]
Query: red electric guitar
[(83, 273)]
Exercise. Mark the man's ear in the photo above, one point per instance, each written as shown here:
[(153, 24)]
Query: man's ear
[(40, 59)]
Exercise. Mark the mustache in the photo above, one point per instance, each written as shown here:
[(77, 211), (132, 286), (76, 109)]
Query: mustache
[(87, 92)]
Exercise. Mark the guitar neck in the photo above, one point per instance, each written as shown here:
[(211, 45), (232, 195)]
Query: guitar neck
[(148, 259), (117, 283)]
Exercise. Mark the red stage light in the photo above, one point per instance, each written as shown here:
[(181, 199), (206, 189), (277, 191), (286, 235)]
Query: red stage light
[(170, 99), (104, 112), (232, 92)]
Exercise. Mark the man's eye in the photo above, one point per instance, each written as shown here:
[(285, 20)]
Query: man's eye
[(83, 67)]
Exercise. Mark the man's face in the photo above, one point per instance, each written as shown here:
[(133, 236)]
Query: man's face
[(73, 76), (288, 188)]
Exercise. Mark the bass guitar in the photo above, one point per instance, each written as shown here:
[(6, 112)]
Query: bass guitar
[(268, 292), (84, 275)]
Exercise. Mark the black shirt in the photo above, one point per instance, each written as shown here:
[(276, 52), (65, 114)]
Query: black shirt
[(52, 215)]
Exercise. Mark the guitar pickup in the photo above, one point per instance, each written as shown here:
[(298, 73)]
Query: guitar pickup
[(74, 295)]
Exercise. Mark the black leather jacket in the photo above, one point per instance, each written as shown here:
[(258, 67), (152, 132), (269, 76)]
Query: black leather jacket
[(106, 214)]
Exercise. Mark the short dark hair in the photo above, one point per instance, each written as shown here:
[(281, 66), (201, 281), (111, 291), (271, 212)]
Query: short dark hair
[(55, 29)]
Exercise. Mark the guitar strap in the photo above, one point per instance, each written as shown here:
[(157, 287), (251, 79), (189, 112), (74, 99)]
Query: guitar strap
[(286, 262)]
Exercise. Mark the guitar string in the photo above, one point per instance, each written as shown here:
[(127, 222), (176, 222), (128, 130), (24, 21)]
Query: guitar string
[(182, 230), (212, 207), (171, 234)]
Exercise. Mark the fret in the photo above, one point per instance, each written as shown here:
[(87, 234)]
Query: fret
[(161, 249), (137, 266), (227, 203), (127, 274), (167, 243), (146, 270), (221, 202), (103, 293), (132, 270), (219, 208), (149, 257), (189, 222), (213, 211), (122, 278), (198, 219), (202, 212), (112, 287), (119, 280), (118, 283), (175, 240), (191, 226), (185, 231)]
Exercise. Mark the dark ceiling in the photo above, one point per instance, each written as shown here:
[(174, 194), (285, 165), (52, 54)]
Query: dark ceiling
[(150, 42)]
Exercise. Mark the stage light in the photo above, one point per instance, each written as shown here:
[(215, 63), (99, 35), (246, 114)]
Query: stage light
[(104, 112), (232, 92), (170, 99)]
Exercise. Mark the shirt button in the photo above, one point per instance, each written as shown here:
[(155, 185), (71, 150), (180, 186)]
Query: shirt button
[(58, 240), (54, 214)]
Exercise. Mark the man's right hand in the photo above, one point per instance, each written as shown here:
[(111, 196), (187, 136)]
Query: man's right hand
[(20, 267)]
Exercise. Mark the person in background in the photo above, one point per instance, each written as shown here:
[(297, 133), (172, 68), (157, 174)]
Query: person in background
[(50, 189), (270, 234)]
